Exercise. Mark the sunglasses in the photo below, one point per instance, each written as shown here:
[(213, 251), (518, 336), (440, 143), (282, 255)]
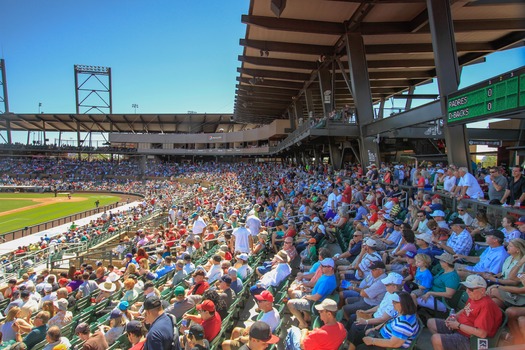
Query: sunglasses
[(461, 210)]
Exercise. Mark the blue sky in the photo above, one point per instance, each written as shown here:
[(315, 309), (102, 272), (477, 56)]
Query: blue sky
[(167, 56)]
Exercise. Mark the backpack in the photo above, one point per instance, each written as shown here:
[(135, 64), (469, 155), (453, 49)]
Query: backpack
[(175, 345)]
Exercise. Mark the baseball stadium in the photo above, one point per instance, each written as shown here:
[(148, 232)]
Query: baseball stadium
[(309, 215)]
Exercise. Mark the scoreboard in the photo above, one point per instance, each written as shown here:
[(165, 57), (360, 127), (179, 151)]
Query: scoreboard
[(495, 97)]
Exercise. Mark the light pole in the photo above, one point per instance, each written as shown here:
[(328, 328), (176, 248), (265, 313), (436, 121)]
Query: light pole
[(135, 106)]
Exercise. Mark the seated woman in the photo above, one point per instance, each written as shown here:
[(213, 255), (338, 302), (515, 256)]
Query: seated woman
[(397, 332), (507, 289), (444, 285), (117, 326), (130, 293), (516, 316)]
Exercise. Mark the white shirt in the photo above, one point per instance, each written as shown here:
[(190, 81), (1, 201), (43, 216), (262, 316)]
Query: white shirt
[(214, 273), (198, 226), (276, 276), (449, 183), (271, 318), (253, 224), (242, 239), (474, 191), (386, 306)]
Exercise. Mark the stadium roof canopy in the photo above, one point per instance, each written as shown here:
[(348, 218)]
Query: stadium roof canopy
[(282, 55), (125, 123)]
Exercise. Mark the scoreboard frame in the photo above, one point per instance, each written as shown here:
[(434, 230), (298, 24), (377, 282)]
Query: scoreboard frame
[(496, 97)]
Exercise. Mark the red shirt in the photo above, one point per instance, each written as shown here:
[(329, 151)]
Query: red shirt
[(200, 288), (325, 338), (347, 195), (212, 326), (482, 313)]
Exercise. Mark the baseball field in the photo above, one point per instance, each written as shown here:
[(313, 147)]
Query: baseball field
[(18, 210)]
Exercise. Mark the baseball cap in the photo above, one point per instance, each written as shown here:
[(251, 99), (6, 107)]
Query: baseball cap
[(226, 279), (232, 271), (123, 305), (179, 291), (316, 219), (475, 281), (206, 305), (129, 255), (243, 256), (374, 207), (312, 241), (496, 233), (61, 304), (377, 265), (446, 257), (371, 243), (116, 313), (152, 302), (438, 213), (261, 331), (48, 287), (398, 222), (327, 304), (134, 327), (410, 254), (427, 237), (457, 221), (393, 278), (265, 296), (328, 262), (197, 331), (521, 221)]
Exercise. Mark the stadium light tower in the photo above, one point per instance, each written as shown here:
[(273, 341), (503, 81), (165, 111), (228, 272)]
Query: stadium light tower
[(135, 106)]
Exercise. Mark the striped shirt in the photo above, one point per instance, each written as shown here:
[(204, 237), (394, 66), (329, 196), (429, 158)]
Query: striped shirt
[(403, 327)]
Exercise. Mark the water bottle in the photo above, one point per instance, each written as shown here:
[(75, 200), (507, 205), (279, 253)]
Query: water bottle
[(452, 315)]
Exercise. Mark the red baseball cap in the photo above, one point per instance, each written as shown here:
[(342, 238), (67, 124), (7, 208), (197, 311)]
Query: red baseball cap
[(206, 305), (265, 296), (63, 281), (374, 207)]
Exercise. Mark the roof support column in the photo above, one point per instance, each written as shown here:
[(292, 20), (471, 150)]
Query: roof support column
[(5, 99), (358, 69), (309, 103), (448, 75), (298, 110), (327, 95), (336, 155)]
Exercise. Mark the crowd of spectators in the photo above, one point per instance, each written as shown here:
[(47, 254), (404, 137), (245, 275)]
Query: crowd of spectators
[(400, 261)]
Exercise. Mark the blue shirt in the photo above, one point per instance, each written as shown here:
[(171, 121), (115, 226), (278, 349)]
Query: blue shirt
[(403, 327), (324, 286), (160, 335), (424, 278), (360, 213), (460, 243), (164, 270), (491, 260)]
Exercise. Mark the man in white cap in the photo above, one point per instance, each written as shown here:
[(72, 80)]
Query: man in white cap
[(480, 317), (362, 264), (330, 336), (324, 286)]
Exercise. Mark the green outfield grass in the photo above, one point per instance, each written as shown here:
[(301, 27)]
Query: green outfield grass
[(45, 213)]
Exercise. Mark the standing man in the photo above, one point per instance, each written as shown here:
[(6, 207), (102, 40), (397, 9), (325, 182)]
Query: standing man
[(346, 199), (497, 184), (515, 193), (468, 186), (241, 240), (161, 333)]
